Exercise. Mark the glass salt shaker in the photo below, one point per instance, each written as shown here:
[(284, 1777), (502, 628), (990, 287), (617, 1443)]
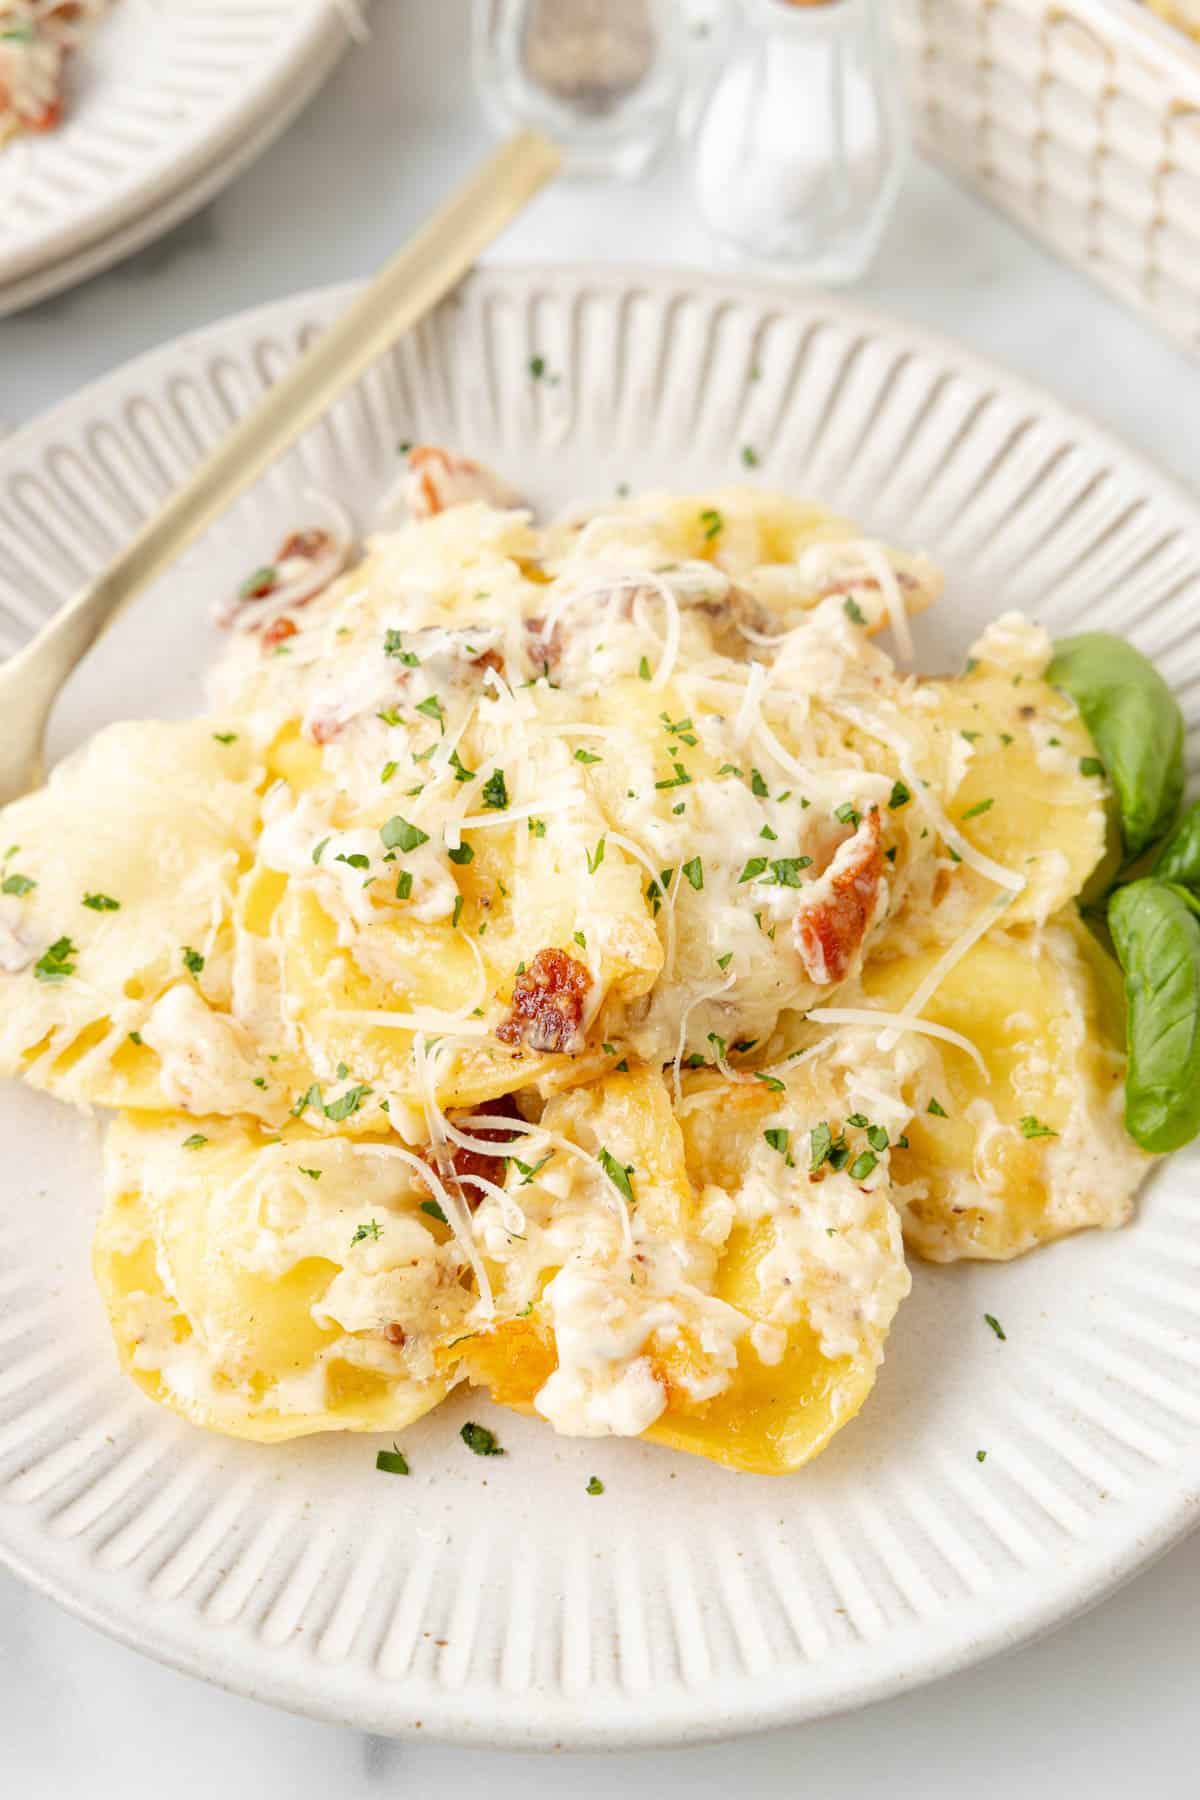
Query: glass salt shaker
[(801, 147), (601, 77)]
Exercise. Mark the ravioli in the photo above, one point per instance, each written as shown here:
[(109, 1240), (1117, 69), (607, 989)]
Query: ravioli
[(567, 961), (1032, 1146), (271, 1288), (684, 1280), (118, 887)]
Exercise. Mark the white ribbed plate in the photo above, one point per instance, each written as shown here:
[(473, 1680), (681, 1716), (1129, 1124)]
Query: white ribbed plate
[(494, 1599), (164, 91)]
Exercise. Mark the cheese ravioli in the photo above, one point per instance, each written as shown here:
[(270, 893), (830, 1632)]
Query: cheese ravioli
[(567, 961)]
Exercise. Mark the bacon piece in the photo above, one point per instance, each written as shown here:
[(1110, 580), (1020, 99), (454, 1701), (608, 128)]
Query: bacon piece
[(438, 479), (548, 1004), (308, 544), (287, 581), (836, 911), (731, 615), (543, 652), (455, 1163), (395, 1334), (276, 633)]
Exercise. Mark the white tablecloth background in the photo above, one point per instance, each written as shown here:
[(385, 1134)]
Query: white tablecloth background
[(1105, 1707)]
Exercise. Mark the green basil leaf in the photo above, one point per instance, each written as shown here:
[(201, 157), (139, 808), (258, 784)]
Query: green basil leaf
[(1179, 858), (1156, 932), (1136, 725)]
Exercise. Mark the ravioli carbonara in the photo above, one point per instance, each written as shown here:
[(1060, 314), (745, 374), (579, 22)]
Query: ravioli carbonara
[(573, 960)]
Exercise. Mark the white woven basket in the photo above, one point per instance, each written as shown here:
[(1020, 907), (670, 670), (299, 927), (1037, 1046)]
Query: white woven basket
[(1080, 118)]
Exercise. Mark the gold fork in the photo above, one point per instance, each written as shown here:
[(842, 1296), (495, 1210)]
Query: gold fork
[(403, 291)]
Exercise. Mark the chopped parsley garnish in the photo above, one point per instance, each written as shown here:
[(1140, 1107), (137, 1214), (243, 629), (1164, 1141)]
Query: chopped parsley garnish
[(644, 669), (404, 884), (479, 1439), (853, 610), (391, 1462), (877, 1137), (769, 1081), (594, 1486), (225, 737), (848, 814), (682, 778), (980, 806), (456, 915), (197, 1141), (259, 585), (372, 1229), (981, 1456), (712, 522), (694, 870), (862, 1165), (537, 367), (587, 756), (595, 857), (399, 834), (313, 1174), (578, 936), (723, 962), (464, 854), (135, 1037), (537, 827), (899, 796), (970, 735), (193, 962), (461, 772), (435, 1212), (390, 716), (785, 872), (1090, 765), (527, 1171), (1033, 1128), (937, 1109), (820, 1141), (758, 785), (312, 1097), (319, 850), (393, 645), (356, 860), (495, 791), (618, 1174), (432, 709), (777, 1137), (17, 884), (750, 456), (772, 837), (347, 1103), (753, 868), (996, 1326), (859, 1119)]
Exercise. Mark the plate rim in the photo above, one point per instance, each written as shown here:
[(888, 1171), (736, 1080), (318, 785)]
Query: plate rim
[(1114, 1554), (325, 39), (111, 248)]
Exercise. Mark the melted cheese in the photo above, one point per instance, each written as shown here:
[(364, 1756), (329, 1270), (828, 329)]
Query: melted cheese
[(632, 819)]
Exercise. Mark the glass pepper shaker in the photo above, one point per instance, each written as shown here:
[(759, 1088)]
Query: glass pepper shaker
[(601, 77), (801, 147)]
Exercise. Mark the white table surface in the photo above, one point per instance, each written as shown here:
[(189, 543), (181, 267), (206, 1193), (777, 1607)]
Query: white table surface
[(1106, 1704)]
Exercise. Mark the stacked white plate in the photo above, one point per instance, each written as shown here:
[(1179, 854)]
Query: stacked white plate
[(166, 104)]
